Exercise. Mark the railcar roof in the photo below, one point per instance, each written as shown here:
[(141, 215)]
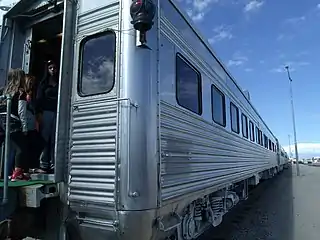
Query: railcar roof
[(208, 46)]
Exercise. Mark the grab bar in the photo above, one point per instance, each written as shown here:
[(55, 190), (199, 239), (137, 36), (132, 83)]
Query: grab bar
[(5, 199)]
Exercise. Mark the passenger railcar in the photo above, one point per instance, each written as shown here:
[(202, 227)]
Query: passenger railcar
[(163, 145)]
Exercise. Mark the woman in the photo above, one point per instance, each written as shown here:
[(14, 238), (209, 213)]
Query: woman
[(46, 106), (16, 88)]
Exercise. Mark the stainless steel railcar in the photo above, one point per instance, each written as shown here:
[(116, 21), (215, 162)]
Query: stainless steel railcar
[(164, 144)]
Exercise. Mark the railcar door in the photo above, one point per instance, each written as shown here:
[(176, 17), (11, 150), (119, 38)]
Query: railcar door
[(92, 159), (15, 45)]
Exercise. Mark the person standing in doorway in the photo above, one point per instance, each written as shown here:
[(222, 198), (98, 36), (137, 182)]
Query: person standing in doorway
[(46, 110)]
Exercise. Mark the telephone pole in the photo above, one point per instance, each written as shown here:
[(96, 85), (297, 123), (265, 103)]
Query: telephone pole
[(294, 123)]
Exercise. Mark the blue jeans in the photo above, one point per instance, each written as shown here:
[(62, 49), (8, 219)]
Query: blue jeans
[(48, 132)]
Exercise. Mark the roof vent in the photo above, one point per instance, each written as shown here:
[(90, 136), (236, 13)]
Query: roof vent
[(247, 94)]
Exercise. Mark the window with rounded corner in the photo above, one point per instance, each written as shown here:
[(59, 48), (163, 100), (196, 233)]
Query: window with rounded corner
[(97, 64), (188, 86), (244, 124), (218, 105), (251, 130), (234, 112)]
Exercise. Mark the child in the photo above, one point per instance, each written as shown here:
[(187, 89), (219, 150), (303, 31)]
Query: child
[(16, 88), (29, 124)]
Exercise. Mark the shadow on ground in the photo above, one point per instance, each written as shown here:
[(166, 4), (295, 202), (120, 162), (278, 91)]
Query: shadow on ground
[(266, 215)]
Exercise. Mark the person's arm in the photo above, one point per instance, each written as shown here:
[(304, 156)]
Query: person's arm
[(22, 111)]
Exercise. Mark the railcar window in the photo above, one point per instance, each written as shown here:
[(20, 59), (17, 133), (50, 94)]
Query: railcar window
[(244, 124), (97, 64), (270, 145), (218, 104), (257, 135), (261, 139), (251, 128), (234, 112), (265, 141), (273, 149), (188, 86)]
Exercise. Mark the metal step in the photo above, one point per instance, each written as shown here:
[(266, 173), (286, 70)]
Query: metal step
[(42, 177), (31, 196)]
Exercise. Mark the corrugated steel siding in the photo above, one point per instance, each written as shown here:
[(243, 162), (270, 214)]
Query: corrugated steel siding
[(93, 154), (196, 155), (103, 17), (94, 129)]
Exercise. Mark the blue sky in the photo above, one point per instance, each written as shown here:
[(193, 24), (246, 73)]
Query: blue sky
[(256, 39)]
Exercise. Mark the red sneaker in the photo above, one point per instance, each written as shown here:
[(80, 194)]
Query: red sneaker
[(18, 175)]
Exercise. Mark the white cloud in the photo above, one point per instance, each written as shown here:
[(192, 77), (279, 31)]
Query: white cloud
[(195, 16), (253, 6), (282, 69), (293, 66), (295, 20), (309, 149), (302, 53), (197, 9), (318, 6), (248, 69), (283, 36), (237, 59), (303, 63), (221, 32), (201, 5)]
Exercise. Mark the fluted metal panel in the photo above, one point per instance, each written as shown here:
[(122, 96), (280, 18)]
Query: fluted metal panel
[(104, 16), (197, 154), (93, 160)]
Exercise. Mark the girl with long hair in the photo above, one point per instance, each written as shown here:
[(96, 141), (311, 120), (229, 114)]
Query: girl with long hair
[(35, 142), (46, 106), (16, 88)]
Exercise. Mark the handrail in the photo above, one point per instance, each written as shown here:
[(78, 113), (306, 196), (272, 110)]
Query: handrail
[(5, 199)]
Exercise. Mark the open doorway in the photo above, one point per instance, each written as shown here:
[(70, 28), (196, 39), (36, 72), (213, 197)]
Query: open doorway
[(46, 45)]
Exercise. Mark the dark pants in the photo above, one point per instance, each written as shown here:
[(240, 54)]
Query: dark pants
[(20, 145), (48, 130), (35, 147)]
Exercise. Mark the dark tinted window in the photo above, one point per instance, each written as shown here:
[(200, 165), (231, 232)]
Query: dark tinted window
[(244, 124), (188, 86), (234, 111), (258, 135), (97, 64), (265, 140), (273, 149), (270, 145), (218, 106), (251, 130)]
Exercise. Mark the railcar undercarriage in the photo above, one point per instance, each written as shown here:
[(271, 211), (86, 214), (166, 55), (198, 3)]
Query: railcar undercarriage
[(209, 210)]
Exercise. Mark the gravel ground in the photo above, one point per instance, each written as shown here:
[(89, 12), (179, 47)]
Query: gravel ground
[(286, 207)]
